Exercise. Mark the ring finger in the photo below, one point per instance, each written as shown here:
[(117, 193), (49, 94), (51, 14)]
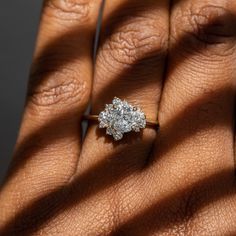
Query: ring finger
[(130, 65)]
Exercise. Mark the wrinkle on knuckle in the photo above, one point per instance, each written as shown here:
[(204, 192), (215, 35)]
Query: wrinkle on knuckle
[(69, 9), (206, 27), (56, 88), (130, 44)]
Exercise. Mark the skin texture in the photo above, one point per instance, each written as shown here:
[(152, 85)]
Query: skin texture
[(176, 60)]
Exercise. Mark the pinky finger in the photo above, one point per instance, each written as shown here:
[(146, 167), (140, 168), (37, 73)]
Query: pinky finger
[(48, 145)]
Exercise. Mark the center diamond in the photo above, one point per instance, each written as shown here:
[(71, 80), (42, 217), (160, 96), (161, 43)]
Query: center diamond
[(120, 117)]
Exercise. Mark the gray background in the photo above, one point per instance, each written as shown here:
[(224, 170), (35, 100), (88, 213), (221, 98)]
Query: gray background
[(18, 28)]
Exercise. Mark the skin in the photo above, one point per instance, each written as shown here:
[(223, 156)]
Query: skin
[(176, 60)]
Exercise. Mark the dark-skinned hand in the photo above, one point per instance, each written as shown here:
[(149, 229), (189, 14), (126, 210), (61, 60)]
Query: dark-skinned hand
[(176, 60)]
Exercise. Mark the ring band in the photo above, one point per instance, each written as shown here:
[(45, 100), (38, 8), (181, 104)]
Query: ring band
[(120, 117), (151, 124)]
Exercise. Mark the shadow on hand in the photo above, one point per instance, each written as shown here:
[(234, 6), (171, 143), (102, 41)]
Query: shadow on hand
[(98, 178), (179, 208)]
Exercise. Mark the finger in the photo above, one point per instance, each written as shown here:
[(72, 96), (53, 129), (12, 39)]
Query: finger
[(49, 141), (130, 65), (196, 110)]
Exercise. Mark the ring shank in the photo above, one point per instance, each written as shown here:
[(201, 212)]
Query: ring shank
[(153, 124)]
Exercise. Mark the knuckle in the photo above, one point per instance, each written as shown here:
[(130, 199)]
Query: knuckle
[(208, 26), (130, 43), (57, 89), (69, 9)]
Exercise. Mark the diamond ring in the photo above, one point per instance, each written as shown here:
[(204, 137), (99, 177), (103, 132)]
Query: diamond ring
[(120, 117)]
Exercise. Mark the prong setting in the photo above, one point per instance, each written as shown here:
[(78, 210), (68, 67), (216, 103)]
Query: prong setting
[(120, 117)]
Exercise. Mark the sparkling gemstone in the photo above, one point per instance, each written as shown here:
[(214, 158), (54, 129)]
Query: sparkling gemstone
[(120, 117)]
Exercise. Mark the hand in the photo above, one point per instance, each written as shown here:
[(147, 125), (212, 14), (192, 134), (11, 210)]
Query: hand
[(174, 60)]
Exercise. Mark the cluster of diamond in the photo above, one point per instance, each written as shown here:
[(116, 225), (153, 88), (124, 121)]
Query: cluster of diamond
[(120, 117)]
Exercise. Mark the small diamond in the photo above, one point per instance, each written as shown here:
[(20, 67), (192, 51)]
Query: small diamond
[(120, 117)]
